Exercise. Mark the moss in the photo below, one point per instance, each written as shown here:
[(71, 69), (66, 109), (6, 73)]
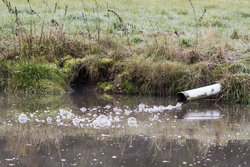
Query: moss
[(104, 65), (146, 77), (46, 85), (105, 86), (29, 76), (67, 57), (105, 97), (70, 64), (106, 61), (129, 87)]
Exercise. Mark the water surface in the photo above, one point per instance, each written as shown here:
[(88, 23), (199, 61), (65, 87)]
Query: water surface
[(91, 129)]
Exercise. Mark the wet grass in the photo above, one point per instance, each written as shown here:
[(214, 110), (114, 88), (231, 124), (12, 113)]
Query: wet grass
[(157, 49), (33, 77)]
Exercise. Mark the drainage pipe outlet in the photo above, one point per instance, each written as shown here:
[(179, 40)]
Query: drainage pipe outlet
[(198, 93)]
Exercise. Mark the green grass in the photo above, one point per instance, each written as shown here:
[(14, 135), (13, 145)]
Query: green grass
[(32, 77), (145, 47)]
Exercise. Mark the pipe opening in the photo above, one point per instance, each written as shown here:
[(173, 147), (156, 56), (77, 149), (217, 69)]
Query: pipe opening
[(180, 97)]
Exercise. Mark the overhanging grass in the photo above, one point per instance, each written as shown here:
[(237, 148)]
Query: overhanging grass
[(134, 49), (28, 76)]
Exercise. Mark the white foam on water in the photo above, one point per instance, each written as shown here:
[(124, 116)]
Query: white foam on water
[(107, 107), (117, 110), (65, 113), (116, 119), (22, 118), (58, 120), (101, 122), (127, 112), (161, 108), (76, 121), (171, 107), (91, 119), (49, 120), (132, 121), (156, 117), (83, 109)]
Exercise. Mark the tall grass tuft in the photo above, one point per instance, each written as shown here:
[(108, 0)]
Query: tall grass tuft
[(197, 23)]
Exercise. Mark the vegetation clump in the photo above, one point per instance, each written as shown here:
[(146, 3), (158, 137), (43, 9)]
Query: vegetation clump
[(33, 77), (49, 47)]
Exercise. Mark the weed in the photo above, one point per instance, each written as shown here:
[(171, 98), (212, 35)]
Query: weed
[(197, 22), (235, 34)]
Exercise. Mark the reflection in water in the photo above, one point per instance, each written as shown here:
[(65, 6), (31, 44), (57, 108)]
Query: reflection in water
[(87, 129), (203, 115)]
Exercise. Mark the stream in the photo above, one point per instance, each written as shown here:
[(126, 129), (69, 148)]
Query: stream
[(86, 128)]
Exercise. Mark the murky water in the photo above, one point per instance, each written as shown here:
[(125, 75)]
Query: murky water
[(89, 129)]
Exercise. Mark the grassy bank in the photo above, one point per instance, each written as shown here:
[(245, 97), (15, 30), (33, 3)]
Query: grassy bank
[(158, 48)]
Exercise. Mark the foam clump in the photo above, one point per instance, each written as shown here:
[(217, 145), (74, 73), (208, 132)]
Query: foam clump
[(83, 109), (127, 112), (107, 107), (22, 118), (171, 107), (49, 120), (101, 121), (76, 121), (145, 108), (65, 113), (132, 121), (156, 117), (142, 106), (116, 119)]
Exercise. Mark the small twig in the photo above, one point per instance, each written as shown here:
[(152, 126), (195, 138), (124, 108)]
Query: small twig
[(128, 40), (33, 11), (53, 21), (85, 19), (66, 10), (41, 35), (196, 24), (155, 36), (107, 10), (201, 18), (117, 15), (17, 18), (98, 27), (9, 7), (55, 8)]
